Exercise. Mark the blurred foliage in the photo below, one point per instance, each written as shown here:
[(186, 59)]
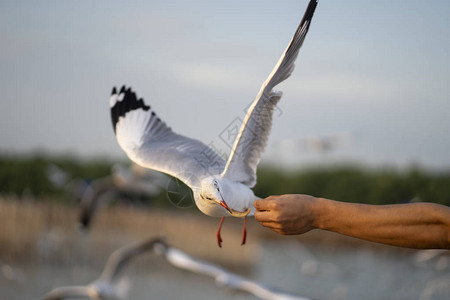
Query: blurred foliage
[(357, 184), (19, 175), (28, 174)]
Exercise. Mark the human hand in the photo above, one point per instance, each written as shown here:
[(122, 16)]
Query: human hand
[(287, 214)]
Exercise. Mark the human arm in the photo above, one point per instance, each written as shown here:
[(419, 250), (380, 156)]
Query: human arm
[(414, 225)]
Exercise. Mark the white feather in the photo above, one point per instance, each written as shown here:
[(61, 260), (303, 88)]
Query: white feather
[(255, 129)]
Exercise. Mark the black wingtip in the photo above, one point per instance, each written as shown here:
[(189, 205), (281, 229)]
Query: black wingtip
[(84, 222), (307, 17), (309, 12), (127, 104), (114, 91)]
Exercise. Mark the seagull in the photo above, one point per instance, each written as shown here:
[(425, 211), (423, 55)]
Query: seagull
[(62, 180), (138, 180), (106, 287), (223, 278), (221, 188), (99, 192), (133, 180), (315, 144)]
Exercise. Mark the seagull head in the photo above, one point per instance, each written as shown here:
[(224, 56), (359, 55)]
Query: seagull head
[(212, 192)]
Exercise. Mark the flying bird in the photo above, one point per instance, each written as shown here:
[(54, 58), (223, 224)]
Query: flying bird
[(106, 287), (222, 277), (220, 187), (133, 181), (315, 144)]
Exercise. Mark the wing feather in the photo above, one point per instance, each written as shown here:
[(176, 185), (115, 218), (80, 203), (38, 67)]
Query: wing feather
[(149, 142), (255, 129), (120, 258), (69, 292)]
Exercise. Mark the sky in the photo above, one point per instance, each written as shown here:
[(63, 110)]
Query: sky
[(378, 71)]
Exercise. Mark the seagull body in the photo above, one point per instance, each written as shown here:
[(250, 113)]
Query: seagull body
[(220, 187), (239, 197), (109, 285)]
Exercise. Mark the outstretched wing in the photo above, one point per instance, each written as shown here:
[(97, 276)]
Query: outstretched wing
[(223, 278), (69, 292), (149, 142), (119, 259), (91, 200), (254, 133)]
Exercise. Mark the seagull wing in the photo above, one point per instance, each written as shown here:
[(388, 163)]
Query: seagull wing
[(182, 260), (70, 292), (118, 260), (222, 277), (91, 200), (149, 142), (255, 129)]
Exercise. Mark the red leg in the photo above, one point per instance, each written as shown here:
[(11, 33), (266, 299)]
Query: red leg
[(244, 231), (219, 239)]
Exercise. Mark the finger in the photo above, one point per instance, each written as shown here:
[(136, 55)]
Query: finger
[(271, 225), (261, 216), (279, 231), (263, 204), (274, 227), (265, 216), (259, 204)]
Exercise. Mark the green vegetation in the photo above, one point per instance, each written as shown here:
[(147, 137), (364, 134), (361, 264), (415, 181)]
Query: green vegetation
[(357, 184), (19, 175)]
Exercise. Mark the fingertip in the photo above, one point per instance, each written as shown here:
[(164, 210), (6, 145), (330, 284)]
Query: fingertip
[(262, 204), (256, 203)]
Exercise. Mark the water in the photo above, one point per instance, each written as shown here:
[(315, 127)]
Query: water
[(316, 270)]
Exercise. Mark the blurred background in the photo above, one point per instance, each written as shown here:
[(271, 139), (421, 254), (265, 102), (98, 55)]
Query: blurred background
[(364, 118)]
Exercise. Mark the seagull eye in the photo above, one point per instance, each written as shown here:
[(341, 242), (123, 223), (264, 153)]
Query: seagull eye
[(204, 197)]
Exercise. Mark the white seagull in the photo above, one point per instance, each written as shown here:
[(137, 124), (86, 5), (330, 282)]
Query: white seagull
[(220, 187), (222, 277), (107, 286), (134, 180)]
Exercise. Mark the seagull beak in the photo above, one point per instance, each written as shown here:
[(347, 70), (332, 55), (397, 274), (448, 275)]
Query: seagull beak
[(224, 205)]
